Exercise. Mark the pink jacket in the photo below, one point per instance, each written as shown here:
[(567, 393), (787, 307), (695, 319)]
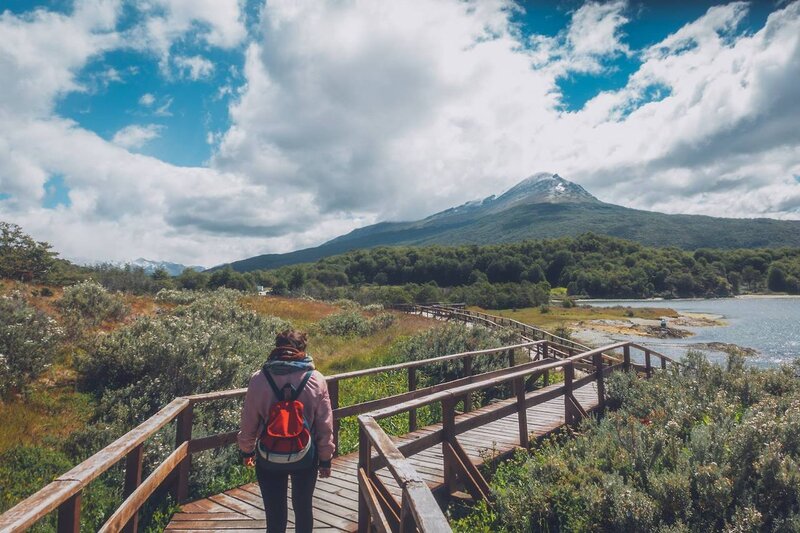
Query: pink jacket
[(316, 410)]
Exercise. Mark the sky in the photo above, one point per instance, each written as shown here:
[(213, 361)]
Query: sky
[(205, 131)]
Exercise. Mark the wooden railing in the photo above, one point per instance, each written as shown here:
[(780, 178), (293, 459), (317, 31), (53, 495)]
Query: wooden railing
[(64, 493), (526, 332), (417, 510), (460, 312)]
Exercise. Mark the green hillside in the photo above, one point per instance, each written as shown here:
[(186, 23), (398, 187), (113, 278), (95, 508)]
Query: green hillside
[(532, 210)]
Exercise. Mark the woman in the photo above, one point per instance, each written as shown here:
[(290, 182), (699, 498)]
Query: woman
[(286, 377)]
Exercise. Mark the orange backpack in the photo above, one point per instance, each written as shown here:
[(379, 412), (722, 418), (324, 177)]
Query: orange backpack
[(286, 442)]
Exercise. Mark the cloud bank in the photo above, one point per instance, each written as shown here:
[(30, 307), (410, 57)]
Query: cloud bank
[(354, 112)]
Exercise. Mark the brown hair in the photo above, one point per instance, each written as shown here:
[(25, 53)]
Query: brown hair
[(292, 338)]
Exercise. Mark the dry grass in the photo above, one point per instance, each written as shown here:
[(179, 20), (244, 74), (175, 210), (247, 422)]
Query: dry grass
[(51, 409), (557, 316), (335, 354), (293, 309)]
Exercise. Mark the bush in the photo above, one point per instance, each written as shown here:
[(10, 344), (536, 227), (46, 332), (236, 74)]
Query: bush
[(211, 344), (354, 324), (28, 344), (450, 339), (177, 297), (88, 304), (698, 448)]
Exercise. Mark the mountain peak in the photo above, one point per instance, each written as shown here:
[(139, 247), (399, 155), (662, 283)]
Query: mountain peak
[(545, 187)]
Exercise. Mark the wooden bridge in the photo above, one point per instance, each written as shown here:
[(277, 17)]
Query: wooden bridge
[(392, 483)]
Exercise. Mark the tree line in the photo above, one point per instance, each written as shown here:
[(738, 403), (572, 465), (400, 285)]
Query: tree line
[(494, 276)]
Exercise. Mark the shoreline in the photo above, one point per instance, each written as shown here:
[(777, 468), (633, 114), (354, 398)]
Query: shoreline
[(753, 296), (649, 328)]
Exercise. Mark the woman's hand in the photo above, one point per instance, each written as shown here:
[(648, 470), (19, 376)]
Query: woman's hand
[(324, 468)]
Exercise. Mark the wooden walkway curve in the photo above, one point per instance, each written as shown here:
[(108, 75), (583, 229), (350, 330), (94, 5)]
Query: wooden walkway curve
[(336, 498), (390, 484)]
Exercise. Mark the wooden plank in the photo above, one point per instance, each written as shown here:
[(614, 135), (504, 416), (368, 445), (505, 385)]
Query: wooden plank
[(214, 525), (133, 478), (69, 515), (377, 517), (134, 502), (237, 505), (212, 441), (182, 517)]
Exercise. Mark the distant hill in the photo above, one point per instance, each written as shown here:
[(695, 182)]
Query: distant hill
[(543, 206)]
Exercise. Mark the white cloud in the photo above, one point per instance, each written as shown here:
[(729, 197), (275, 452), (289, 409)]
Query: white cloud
[(40, 52), (136, 136), (592, 36), (214, 22), (163, 109), (355, 112), (147, 100), (194, 67)]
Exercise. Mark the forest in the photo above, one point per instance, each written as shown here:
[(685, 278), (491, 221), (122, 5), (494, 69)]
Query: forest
[(521, 274), (502, 276)]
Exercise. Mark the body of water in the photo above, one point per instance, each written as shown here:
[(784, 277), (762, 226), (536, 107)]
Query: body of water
[(769, 325)]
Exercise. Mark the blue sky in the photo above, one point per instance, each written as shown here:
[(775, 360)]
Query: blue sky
[(194, 131)]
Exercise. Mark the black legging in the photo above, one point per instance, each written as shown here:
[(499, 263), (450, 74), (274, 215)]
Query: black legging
[(273, 490)]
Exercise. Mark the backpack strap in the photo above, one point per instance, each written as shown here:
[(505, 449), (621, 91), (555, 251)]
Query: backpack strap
[(302, 385), (282, 394), (273, 385)]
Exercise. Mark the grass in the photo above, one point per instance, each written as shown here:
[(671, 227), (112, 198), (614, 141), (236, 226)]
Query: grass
[(298, 311), (52, 409), (557, 316), (333, 353)]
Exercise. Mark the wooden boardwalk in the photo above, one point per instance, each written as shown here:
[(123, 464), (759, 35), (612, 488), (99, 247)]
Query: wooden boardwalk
[(336, 498)]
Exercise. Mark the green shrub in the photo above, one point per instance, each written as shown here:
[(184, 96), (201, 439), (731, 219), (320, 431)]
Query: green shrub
[(28, 344), (701, 448), (87, 304), (354, 324), (346, 324), (177, 297)]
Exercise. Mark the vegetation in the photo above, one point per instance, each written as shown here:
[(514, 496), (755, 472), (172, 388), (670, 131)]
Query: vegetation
[(701, 448), (22, 258), (521, 275), (547, 220), (28, 344), (95, 386), (588, 265)]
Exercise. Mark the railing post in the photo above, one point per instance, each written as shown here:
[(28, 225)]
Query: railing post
[(626, 354), (468, 373), (663, 364), (511, 361), (448, 435), (546, 374), (522, 412), (69, 515), (407, 522), (364, 456), (133, 477), (183, 433), (412, 385), (333, 392), (648, 368), (601, 385), (569, 374)]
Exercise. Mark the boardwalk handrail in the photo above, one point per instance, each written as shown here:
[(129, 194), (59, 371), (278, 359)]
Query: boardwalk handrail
[(376, 512), (460, 312), (64, 493)]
